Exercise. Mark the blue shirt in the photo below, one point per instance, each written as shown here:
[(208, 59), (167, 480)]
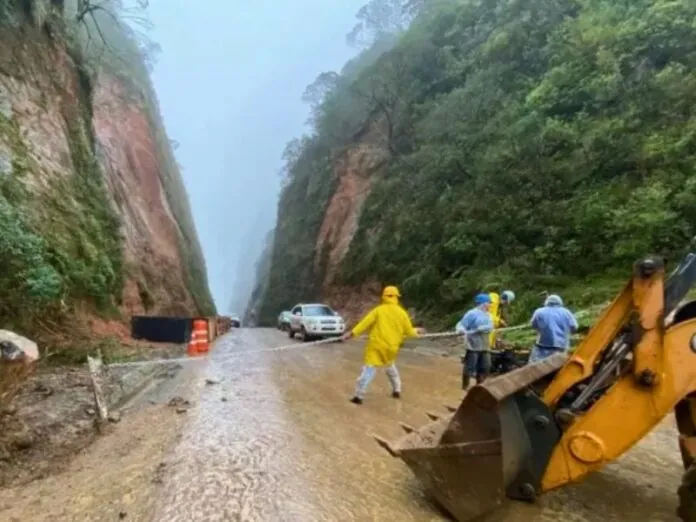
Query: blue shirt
[(554, 324), (478, 324)]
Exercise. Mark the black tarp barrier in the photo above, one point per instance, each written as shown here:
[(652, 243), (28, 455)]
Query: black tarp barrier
[(161, 329)]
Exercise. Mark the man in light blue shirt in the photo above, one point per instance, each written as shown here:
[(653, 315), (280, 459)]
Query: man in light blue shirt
[(476, 324), (554, 324)]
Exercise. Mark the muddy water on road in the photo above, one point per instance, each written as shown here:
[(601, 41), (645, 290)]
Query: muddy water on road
[(277, 440)]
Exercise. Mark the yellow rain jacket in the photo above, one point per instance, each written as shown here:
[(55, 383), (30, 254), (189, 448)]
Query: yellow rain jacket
[(495, 312), (389, 325)]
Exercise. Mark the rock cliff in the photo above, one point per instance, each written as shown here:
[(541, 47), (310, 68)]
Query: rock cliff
[(94, 219), (356, 170)]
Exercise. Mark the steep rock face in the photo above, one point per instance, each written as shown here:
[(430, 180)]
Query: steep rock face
[(156, 278), (82, 175), (319, 217), (356, 170)]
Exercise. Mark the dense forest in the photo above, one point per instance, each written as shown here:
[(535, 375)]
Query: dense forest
[(536, 144)]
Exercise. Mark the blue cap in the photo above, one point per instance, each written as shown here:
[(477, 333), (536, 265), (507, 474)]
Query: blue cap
[(482, 299)]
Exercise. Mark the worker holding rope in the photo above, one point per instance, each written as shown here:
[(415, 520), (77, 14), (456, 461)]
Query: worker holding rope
[(389, 325), (554, 324), (477, 325), (499, 309)]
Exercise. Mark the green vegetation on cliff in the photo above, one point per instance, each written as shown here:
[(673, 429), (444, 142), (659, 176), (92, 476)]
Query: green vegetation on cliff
[(536, 144), (61, 245)]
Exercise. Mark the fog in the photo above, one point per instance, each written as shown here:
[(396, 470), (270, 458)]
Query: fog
[(229, 80)]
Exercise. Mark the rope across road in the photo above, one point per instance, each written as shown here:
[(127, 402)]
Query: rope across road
[(292, 346)]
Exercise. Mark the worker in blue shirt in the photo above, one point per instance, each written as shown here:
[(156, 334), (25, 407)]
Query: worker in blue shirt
[(476, 324), (554, 324)]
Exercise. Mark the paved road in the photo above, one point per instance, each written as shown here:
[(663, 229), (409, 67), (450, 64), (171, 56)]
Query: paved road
[(277, 440), (287, 444)]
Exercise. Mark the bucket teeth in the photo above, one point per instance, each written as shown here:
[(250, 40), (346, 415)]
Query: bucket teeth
[(386, 445), (450, 408), (433, 416), (407, 427)]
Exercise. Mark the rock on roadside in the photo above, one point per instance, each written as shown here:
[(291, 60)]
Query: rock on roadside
[(18, 356)]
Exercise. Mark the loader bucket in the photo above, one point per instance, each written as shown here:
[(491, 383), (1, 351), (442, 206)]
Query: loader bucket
[(494, 446)]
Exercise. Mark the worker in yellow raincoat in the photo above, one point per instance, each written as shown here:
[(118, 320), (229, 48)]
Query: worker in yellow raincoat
[(389, 325), (498, 311)]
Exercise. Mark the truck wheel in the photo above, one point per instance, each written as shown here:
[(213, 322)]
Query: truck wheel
[(686, 511), (291, 334), (305, 336)]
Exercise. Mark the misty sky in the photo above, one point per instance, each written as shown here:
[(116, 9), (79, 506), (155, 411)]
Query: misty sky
[(229, 81)]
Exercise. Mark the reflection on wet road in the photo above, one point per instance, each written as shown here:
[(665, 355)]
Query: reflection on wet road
[(277, 440)]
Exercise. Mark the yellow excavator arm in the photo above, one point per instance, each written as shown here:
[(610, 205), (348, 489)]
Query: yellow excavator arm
[(556, 421), (654, 370)]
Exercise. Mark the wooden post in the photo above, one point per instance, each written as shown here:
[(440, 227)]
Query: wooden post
[(212, 330), (95, 373)]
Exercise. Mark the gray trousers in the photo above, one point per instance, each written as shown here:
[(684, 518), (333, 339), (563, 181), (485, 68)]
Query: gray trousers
[(368, 373)]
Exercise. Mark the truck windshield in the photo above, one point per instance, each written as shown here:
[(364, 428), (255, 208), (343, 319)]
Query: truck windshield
[(317, 310)]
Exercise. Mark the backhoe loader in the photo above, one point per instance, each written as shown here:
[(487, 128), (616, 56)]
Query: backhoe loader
[(554, 422)]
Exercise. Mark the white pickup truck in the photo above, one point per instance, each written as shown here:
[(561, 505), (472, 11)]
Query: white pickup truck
[(315, 321)]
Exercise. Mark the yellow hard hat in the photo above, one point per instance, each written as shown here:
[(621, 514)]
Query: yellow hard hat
[(391, 291)]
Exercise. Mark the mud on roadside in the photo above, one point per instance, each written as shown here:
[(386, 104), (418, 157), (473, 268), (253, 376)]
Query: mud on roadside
[(53, 416)]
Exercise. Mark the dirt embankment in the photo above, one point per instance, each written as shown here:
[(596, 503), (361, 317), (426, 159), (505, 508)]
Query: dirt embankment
[(56, 477), (53, 416), (119, 477)]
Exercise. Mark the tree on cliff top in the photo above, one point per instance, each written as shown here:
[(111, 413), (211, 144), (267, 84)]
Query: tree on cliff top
[(380, 18)]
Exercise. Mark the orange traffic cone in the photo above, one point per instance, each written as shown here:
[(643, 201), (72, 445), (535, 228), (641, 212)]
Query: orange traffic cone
[(192, 349), (200, 328), (199, 338)]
